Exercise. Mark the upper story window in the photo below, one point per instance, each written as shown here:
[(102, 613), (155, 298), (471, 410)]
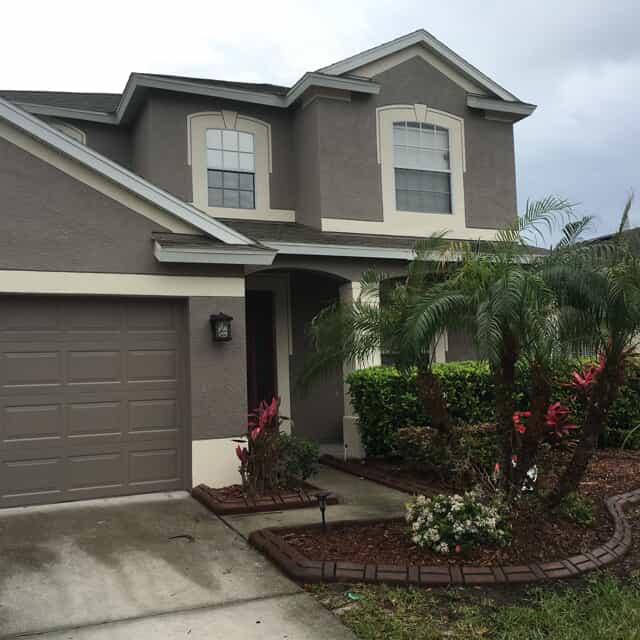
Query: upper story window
[(422, 167), (231, 166)]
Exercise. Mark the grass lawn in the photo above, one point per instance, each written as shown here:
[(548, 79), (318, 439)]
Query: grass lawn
[(598, 608)]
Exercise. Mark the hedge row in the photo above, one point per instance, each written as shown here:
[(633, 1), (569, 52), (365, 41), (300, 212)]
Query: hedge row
[(385, 401)]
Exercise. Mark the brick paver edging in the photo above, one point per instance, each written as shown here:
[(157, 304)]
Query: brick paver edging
[(299, 568), (285, 499)]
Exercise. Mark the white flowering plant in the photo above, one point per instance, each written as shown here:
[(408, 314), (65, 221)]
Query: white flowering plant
[(454, 524)]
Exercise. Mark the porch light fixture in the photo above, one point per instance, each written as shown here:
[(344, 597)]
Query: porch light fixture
[(221, 327)]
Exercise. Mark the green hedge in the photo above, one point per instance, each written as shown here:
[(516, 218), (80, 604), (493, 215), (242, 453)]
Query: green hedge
[(385, 401)]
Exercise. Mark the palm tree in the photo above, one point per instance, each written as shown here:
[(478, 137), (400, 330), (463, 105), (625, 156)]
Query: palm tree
[(599, 290)]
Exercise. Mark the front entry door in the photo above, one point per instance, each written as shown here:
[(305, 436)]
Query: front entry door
[(261, 353)]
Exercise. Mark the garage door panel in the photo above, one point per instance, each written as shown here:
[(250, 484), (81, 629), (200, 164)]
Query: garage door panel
[(93, 407), (31, 368), (36, 477), (32, 425), (92, 366), (104, 470), (154, 467), (96, 419)]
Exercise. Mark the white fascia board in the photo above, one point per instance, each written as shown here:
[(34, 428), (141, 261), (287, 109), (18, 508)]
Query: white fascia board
[(212, 255), (41, 131), (341, 251), (431, 42), (489, 104)]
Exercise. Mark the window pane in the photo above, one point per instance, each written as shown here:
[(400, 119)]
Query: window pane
[(230, 180), (215, 197), (230, 160), (423, 191), (246, 199), (246, 181), (245, 141), (431, 159), (413, 137), (214, 159), (214, 178), (442, 139), (438, 202), (399, 133), (230, 140), (214, 139), (402, 200), (231, 198), (246, 162)]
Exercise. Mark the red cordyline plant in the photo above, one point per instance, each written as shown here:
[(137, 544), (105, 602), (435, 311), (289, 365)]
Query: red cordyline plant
[(259, 458)]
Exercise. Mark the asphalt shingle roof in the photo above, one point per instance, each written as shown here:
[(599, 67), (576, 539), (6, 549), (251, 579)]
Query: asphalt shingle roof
[(101, 102)]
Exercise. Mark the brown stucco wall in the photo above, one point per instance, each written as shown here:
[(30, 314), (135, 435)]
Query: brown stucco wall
[(49, 221), (160, 143), (317, 412), (218, 371)]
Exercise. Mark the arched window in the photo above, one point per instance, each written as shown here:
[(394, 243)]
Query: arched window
[(231, 166), (422, 167)]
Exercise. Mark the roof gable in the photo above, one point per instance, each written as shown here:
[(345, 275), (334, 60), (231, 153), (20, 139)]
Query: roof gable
[(431, 45)]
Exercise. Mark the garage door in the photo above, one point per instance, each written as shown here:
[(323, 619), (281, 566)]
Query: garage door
[(91, 398)]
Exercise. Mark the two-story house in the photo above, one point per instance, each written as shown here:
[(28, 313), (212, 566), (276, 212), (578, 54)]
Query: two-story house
[(128, 220)]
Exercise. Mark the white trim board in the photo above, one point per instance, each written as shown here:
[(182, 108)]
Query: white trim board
[(117, 174), (118, 284), (213, 255)]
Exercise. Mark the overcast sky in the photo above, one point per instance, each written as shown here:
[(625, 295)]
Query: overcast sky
[(579, 60)]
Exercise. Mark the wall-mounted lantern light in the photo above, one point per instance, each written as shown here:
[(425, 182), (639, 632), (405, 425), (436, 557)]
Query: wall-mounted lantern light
[(221, 327)]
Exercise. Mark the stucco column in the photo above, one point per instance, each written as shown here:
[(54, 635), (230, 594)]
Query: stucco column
[(349, 293)]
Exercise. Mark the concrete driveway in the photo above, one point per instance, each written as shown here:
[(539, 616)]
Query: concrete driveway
[(144, 567)]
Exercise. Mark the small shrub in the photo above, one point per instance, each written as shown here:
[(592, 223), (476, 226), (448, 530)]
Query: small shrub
[(578, 509), (297, 459), (421, 447), (452, 524)]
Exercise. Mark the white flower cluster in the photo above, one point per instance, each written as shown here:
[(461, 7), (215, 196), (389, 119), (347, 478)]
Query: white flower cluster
[(453, 523)]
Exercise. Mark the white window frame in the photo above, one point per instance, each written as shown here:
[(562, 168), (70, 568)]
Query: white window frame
[(68, 129), (197, 125), (418, 220)]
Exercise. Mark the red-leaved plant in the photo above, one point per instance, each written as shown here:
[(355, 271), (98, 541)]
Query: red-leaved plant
[(258, 458)]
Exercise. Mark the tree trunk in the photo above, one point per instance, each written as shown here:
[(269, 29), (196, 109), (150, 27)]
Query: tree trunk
[(603, 394), (505, 377), (532, 437), (433, 402)]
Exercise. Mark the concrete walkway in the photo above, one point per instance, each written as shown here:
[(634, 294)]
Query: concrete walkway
[(359, 500)]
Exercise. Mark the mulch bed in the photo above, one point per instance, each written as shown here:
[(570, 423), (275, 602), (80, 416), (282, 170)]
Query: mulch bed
[(234, 500), (538, 540)]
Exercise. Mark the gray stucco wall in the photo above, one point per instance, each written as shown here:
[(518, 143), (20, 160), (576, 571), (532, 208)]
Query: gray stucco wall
[(109, 140), (305, 137), (160, 143), (350, 182), (489, 182), (50, 221), (317, 412), (218, 371)]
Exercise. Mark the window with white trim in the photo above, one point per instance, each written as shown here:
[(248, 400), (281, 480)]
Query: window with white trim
[(422, 167), (231, 168)]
